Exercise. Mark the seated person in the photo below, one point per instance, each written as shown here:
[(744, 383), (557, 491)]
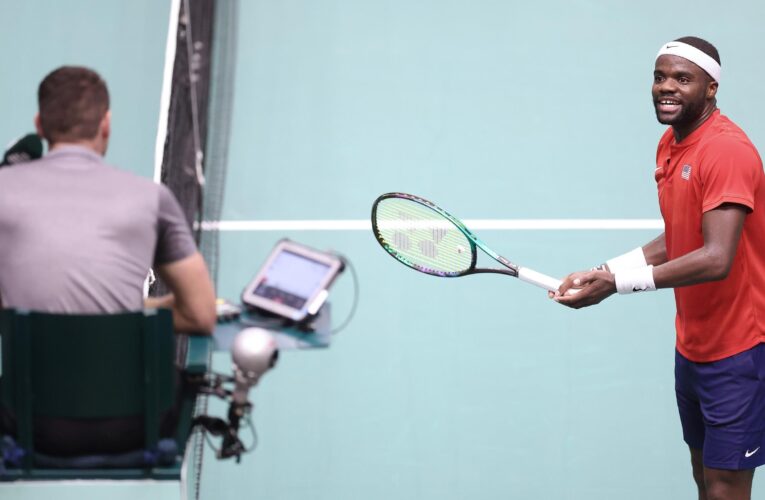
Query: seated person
[(79, 236)]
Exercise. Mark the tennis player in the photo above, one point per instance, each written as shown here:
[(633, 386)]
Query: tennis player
[(712, 252)]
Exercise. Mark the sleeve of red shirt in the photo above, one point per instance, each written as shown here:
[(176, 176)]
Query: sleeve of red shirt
[(730, 172)]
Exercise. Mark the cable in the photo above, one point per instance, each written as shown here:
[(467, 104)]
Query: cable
[(356, 294), (195, 135), (254, 436), (198, 443)]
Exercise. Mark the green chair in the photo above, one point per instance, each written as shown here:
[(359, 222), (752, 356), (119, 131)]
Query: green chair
[(97, 366)]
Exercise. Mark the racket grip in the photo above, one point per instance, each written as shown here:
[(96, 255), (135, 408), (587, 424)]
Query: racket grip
[(541, 280)]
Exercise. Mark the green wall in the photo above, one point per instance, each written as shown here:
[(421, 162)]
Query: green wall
[(478, 387), (123, 40)]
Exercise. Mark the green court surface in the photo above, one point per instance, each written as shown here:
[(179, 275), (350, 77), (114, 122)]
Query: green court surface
[(478, 387)]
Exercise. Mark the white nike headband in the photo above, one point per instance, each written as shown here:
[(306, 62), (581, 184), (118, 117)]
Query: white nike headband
[(696, 56)]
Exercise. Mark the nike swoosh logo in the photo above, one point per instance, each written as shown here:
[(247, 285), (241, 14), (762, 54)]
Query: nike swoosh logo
[(671, 46), (750, 453)]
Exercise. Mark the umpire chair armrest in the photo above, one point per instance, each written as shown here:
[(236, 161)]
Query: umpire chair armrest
[(194, 353)]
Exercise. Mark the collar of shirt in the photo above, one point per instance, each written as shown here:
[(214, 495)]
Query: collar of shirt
[(73, 150)]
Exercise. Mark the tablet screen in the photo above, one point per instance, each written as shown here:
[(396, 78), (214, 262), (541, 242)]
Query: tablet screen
[(291, 279)]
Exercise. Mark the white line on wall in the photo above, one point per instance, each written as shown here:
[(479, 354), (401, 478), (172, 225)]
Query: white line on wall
[(473, 224), (167, 82)]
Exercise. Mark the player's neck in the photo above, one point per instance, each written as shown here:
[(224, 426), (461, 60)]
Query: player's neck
[(681, 132), (92, 145)]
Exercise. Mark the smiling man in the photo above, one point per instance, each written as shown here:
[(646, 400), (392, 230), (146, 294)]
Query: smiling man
[(712, 197)]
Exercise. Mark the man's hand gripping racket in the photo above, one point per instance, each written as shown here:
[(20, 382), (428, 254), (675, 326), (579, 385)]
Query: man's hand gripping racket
[(426, 238)]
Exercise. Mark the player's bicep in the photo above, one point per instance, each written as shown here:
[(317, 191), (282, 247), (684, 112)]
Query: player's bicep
[(721, 228)]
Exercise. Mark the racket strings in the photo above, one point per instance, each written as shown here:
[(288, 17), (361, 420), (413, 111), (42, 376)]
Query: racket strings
[(422, 238)]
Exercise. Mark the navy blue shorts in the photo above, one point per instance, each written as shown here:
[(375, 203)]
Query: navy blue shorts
[(722, 408)]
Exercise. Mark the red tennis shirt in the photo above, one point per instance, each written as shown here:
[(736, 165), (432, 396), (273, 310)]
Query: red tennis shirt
[(715, 164)]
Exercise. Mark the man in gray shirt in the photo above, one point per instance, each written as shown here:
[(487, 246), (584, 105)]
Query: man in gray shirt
[(78, 235)]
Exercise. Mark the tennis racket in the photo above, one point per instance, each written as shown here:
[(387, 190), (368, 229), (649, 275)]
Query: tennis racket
[(428, 239)]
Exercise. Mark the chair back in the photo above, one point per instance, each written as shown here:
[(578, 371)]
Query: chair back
[(86, 366)]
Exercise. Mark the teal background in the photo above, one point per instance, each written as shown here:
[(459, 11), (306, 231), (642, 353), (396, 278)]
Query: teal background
[(469, 388), (124, 41)]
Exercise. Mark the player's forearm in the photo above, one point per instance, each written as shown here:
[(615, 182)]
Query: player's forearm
[(193, 296), (164, 301), (655, 251), (186, 318), (652, 253), (700, 266), (193, 323)]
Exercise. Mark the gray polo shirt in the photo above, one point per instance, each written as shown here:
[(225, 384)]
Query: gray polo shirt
[(79, 236)]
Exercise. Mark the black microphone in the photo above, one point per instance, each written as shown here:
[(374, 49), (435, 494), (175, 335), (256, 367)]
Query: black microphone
[(27, 148)]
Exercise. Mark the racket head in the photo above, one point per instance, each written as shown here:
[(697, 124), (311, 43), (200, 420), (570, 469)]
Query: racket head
[(423, 236)]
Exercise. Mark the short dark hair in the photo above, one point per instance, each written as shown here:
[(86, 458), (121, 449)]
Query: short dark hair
[(72, 100), (702, 45)]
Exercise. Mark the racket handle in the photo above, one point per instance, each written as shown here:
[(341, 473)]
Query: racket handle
[(538, 279)]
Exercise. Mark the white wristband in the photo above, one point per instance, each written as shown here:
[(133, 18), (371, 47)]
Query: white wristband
[(630, 260), (639, 279)]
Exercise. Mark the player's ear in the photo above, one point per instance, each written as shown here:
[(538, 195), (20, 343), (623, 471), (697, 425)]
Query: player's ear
[(106, 124), (38, 125), (712, 89)]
